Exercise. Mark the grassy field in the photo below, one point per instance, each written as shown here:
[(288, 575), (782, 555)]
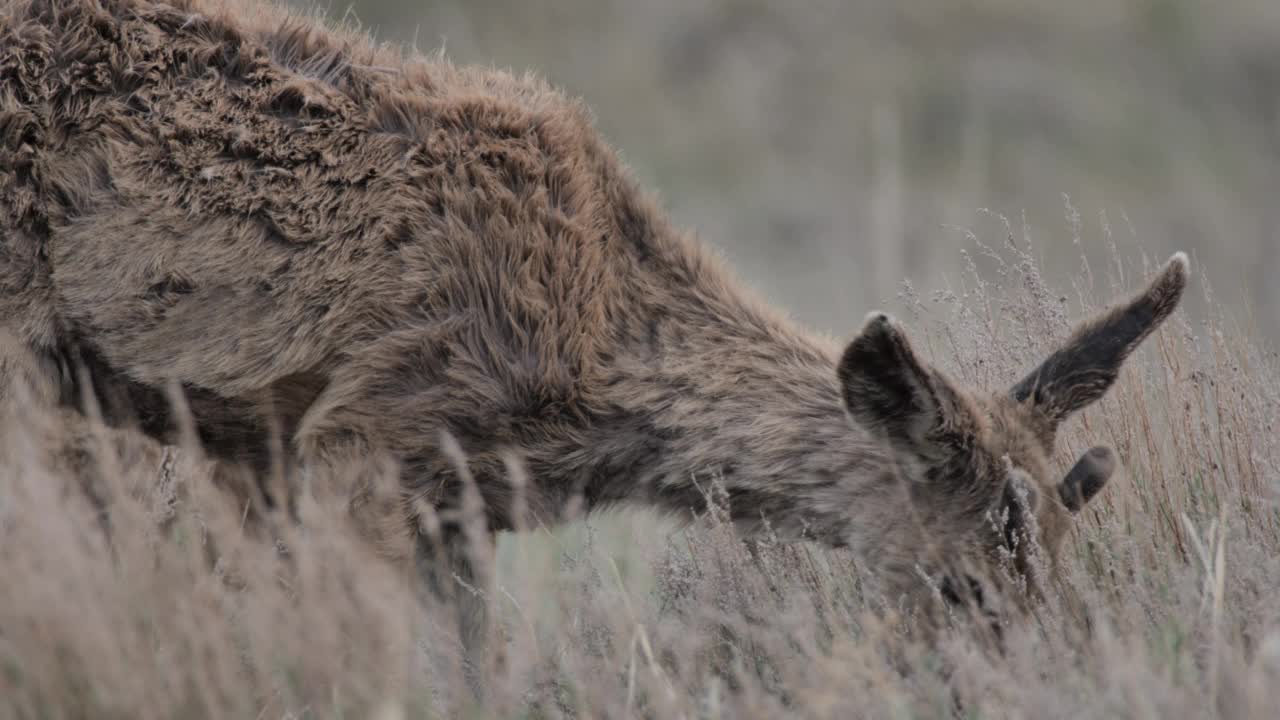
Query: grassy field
[(1172, 575)]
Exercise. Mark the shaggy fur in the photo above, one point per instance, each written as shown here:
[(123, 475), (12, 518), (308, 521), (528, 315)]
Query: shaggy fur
[(365, 255)]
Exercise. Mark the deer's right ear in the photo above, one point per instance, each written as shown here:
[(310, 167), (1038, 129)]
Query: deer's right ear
[(1087, 364), (887, 388)]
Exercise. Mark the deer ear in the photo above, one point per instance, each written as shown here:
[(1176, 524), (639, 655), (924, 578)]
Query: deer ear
[(1087, 477), (1082, 370), (887, 388)]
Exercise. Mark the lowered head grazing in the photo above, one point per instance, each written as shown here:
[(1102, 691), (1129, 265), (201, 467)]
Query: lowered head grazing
[(976, 464)]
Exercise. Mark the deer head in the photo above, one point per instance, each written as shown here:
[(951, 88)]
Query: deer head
[(976, 464)]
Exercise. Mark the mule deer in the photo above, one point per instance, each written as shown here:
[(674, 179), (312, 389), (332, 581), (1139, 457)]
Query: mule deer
[(372, 255)]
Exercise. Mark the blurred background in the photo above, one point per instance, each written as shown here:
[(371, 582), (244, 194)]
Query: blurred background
[(832, 148)]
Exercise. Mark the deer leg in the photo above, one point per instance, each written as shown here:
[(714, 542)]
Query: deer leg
[(366, 413), (42, 395), (449, 548), (457, 572)]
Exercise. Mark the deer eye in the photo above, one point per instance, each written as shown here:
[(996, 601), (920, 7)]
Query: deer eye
[(969, 591)]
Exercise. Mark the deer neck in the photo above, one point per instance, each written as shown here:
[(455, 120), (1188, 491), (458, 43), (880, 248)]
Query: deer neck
[(718, 400)]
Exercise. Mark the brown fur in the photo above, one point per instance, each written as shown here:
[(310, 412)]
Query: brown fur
[(368, 254)]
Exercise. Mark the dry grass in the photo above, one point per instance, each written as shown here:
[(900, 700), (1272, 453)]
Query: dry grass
[(1177, 569)]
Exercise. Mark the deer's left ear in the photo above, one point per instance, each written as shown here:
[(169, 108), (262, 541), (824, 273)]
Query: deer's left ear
[(1082, 370)]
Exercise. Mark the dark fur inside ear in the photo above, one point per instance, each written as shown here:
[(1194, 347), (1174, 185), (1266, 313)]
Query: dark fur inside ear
[(886, 386), (1088, 364), (1087, 477)]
